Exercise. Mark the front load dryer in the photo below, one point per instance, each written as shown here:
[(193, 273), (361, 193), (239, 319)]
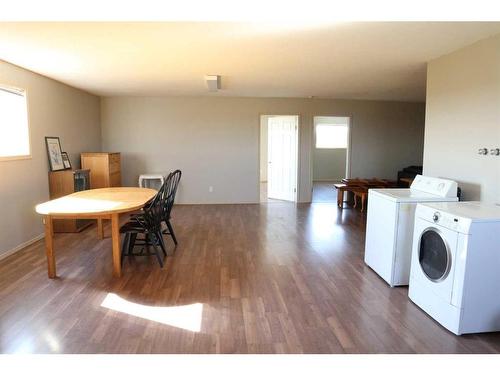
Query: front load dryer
[(455, 265)]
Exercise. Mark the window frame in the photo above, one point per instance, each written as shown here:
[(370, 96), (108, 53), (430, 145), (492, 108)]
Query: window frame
[(330, 148), (15, 89)]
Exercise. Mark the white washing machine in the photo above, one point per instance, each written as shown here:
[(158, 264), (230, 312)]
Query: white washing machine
[(390, 221), (455, 267)]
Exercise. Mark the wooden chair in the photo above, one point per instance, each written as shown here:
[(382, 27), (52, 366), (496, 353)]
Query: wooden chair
[(148, 223), (170, 192)]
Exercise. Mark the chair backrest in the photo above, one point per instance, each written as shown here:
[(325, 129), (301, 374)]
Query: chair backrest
[(153, 212), (171, 184)]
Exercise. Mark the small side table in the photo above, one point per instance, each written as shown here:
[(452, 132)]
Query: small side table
[(147, 180)]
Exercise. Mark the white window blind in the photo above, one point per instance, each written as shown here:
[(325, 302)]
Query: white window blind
[(331, 135), (14, 131)]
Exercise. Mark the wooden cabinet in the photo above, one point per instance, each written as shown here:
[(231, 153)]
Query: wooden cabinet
[(66, 182), (105, 168)]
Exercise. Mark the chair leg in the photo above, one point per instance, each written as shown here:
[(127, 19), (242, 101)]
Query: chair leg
[(159, 237), (158, 256), (171, 230), (131, 243), (147, 244), (125, 246)]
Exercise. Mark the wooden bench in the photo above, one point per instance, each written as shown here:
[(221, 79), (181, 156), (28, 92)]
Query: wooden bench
[(359, 188), (341, 188), (351, 185), (362, 194)]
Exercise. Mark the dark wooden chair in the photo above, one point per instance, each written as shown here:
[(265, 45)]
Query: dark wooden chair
[(171, 190), (167, 192), (148, 223)]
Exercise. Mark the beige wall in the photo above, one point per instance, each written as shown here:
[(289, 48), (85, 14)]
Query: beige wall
[(54, 110), (463, 115), (215, 140), (329, 164)]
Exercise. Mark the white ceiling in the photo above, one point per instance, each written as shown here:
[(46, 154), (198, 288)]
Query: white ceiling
[(385, 61)]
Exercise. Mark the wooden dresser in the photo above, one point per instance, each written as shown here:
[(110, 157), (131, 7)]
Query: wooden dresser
[(66, 182), (105, 168)]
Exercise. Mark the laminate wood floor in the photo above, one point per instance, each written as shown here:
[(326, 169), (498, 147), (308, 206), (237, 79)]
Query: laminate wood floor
[(269, 278), (324, 192)]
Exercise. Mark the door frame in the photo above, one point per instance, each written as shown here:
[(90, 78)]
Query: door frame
[(299, 153), (348, 152)]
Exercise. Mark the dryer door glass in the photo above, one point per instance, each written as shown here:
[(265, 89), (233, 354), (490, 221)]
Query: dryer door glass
[(434, 255)]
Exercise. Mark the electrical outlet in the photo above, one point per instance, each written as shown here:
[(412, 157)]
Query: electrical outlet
[(210, 189)]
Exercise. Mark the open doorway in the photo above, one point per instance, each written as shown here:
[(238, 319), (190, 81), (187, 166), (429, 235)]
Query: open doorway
[(278, 157), (330, 157)]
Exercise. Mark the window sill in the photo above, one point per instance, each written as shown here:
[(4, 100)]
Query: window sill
[(12, 158)]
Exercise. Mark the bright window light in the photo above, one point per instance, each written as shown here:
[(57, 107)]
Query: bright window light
[(14, 132), (186, 317), (331, 136)]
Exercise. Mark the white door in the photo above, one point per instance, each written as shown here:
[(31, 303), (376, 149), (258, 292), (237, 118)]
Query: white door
[(282, 157)]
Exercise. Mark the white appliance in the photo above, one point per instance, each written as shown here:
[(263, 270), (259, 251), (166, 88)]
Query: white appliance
[(455, 267), (389, 226)]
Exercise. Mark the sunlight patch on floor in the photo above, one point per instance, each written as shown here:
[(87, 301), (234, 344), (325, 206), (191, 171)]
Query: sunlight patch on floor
[(322, 224), (187, 317)]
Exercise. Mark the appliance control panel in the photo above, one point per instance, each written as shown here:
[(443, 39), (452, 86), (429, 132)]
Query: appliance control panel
[(436, 186), (443, 219)]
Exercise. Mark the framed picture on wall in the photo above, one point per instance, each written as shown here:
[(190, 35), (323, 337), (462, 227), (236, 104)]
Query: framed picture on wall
[(65, 158), (54, 154)]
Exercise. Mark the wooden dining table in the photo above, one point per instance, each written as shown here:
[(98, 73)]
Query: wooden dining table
[(100, 204)]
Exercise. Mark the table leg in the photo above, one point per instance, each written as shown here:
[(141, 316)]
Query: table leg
[(340, 197), (49, 247), (115, 234), (100, 229)]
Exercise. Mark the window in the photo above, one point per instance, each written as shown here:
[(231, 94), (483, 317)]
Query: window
[(331, 135), (14, 131)]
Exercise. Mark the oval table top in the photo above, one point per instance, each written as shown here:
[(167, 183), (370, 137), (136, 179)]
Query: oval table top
[(97, 202)]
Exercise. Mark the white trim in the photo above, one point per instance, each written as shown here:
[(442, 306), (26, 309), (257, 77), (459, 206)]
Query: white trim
[(23, 92), (328, 180), (21, 246)]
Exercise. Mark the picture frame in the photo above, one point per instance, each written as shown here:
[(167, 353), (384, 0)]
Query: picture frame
[(66, 161), (54, 154)]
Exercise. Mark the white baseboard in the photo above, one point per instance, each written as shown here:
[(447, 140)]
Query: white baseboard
[(327, 180), (21, 246)]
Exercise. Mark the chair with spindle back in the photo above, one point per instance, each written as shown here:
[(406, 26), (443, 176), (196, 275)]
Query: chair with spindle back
[(170, 193), (147, 223)]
